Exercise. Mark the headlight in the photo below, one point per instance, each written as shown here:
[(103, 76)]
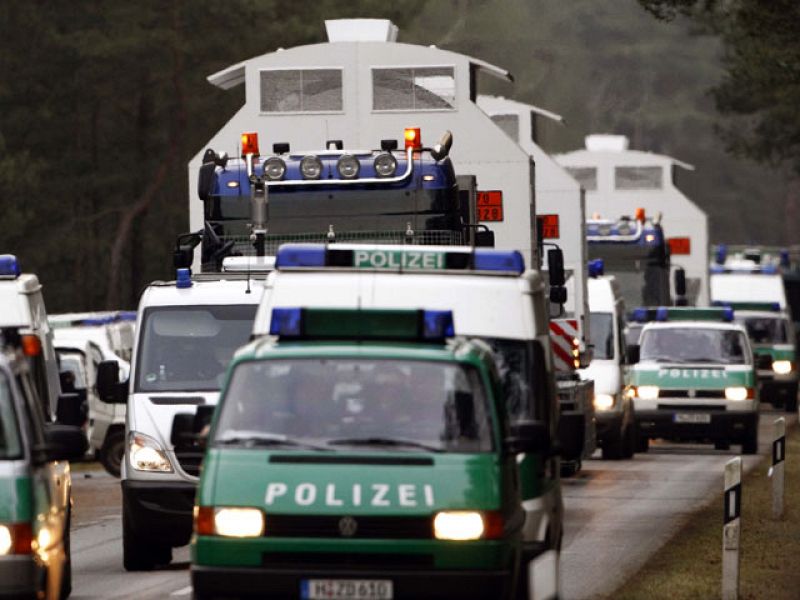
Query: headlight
[(311, 167), (737, 393), (647, 392), (146, 454), (6, 543), (15, 538), (603, 401), (348, 166), (385, 164), (274, 168), (460, 525), (782, 367), (238, 522)]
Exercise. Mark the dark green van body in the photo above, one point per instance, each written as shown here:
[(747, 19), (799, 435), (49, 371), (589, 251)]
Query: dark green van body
[(365, 514)]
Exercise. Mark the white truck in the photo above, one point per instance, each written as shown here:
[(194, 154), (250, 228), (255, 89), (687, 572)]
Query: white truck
[(186, 333), (616, 424)]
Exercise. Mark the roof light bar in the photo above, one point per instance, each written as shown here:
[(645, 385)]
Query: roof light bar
[(296, 323), (183, 279), (9, 266), (596, 267), (398, 258), (770, 306), (682, 313)]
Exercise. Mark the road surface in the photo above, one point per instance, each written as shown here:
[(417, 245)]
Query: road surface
[(618, 514)]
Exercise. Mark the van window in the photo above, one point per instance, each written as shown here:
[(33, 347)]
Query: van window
[(638, 178), (525, 398), (439, 405), (10, 443), (765, 330), (602, 328), (188, 348), (301, 90), (415, 88), (509, 124)]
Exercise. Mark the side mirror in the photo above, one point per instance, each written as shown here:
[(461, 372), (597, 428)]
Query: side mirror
[(555, 267), (484, 239), (109, 388), (558, 294), (680, 287), (71, 409), (529, 437), (205, 179), (64, 442), (572, 435), (442, 149), (632, 354)]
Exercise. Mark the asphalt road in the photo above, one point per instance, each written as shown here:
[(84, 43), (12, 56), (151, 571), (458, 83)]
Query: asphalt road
[(618, 514)]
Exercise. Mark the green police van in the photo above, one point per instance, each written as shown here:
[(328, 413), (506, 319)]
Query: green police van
[(366, 454), (695, 378), (772, 336)]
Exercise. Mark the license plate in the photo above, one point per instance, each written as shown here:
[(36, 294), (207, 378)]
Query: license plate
[(349, 589), (692, 418)]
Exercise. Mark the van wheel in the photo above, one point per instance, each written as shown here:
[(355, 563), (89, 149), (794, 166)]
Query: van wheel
[(113, 451), (613, 447), (66, 575), (139, 554), (791, 399), (629, 442), (750, 442)]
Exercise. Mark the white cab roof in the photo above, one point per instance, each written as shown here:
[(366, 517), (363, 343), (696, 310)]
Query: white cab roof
[(221, 290), (747, 287), (15, 311)]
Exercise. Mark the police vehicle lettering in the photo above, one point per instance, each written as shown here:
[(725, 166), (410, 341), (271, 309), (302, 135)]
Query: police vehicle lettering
[(406, 495), (398, 259)]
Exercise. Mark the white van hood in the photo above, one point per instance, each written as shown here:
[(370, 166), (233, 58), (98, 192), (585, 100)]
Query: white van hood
[(606, 374)]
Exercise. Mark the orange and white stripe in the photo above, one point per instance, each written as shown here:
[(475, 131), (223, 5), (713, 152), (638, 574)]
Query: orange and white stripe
[(565, 341)]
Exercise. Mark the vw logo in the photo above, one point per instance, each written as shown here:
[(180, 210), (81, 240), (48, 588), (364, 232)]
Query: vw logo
[(348, 526)]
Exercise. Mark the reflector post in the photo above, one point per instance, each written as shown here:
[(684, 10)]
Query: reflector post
[(413, 138), (250, 143)]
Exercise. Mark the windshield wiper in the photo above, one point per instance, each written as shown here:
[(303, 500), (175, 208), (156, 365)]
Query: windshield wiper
[(384, 441), (264, 440)]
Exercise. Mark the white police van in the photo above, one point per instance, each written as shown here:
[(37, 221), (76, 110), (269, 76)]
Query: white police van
[(187, 331), (491, 295)]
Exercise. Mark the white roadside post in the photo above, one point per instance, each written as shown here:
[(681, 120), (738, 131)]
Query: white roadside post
[(776, 472), (732, 529)]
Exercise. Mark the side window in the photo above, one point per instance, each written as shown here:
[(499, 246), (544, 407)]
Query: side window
[(39, 379), (621, 345), (509, 124), (638, 178), (301, 90), (413, 88), (586, 176), (10, 444)]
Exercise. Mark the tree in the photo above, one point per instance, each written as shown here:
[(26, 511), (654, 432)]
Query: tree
[(760, 91)]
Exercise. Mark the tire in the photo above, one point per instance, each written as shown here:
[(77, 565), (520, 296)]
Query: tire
[(570, 468), (750, 442), (139, 554), (629, 442), (791, 400), (642, 442), (613, 447), (66, 575), (724, 445), (113, 451)]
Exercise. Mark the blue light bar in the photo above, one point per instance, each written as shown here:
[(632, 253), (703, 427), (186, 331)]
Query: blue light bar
[(510, 261), (9, 266), (769, 269), (662, 314), (596, 267), (437, 324), (717, 269), (720, 255), (728, 314), (127, 315), (640, 315), (183, 279), (286, 322), (300, 255)]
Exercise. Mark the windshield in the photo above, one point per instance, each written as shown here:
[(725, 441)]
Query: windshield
[(10, 446), (765, 330), (642, 284), (338, 403), (602, 328), (693, 345), (188, 348)]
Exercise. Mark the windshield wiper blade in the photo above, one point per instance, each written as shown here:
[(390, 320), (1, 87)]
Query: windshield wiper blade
[(263, 441), (383, 441)]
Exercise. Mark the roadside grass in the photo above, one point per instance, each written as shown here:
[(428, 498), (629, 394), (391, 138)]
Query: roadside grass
[(689, 566)]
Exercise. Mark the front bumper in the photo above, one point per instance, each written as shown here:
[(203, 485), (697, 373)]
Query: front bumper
[(730, 426), (286, 583), (18, 577), (160, 511)]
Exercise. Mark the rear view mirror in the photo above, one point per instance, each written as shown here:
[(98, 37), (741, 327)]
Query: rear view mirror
[(484, 239), (632, 354), (205, 179), (71, 410), (555, 267), (529, 437), (558, 295), (109, 388), (64, 442), (680, 287)]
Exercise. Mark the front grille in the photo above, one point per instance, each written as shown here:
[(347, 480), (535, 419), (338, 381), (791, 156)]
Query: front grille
[(189, 460), (396, 528), (687, 393), (345, 560), (435, 237)]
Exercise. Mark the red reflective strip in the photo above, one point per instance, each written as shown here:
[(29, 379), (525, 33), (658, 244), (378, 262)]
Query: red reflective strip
[(563, 355)]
